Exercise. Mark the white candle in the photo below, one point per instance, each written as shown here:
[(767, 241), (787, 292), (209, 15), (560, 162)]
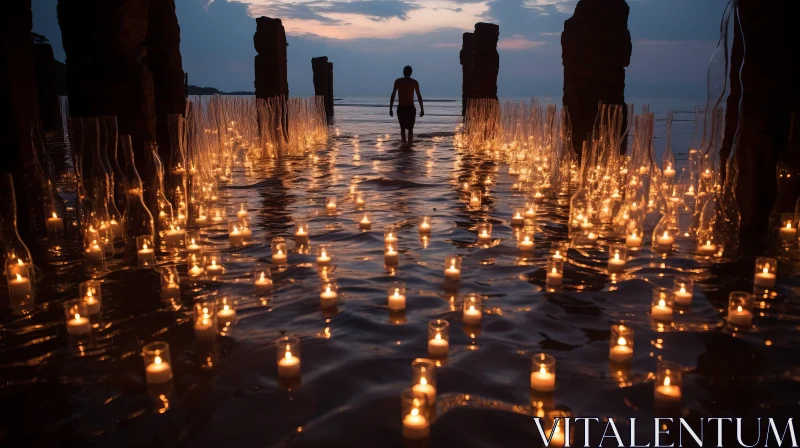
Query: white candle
[(474, 201), (621, 352), (397, 301), (682, 297), (668, 392), (193, 248), (217, 217), (633, 240), (438, 347), (542, 380), (530, 213), (328, 298), (330, 206), (226, 316), (55, 224), (289, 366), (707, 249), (484, 237), (214, 268), (427, 389), (472, 316), (616, 264), (365, 223), (201, 220), (242, 213), (236, 237), (79, 325), (19, 288), (174, 238), (94, 254), (740, 317), (526, 245), (788, 233), (92, 304), (158, 371), (263, 284), (424, 227), (452, 273), (279, 258), (669, 172), (146, 254), (301, 236), (323, 259), (554, 278), (415, 426), (204, 328), (661, 311), (764, 279), (518, 219), (390, 238), (196, 271), (664, 242)]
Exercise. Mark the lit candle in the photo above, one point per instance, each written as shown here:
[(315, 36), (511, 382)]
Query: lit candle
[(586, 224), (175, 237), (591, 237), (365, 223), (616, 264), (158, 371), (708, 248), (323, 259), (425, 225), (518, 219), (146, 254), (171, 291), (669, 172), (484, 237), (94, 254), (19, 288), (621, 352), (681, 296), (397, 301), (55, 224), (415, 426), (740, 317), (661, 311), (235, 236), (391, 257), (214, 268), (263, 283), (554, 278), (279, 258), (289, 365), (201, 219), (707, 174), (330, 205), (666, 391), (530, 213), (633, 240), (247, 234), (328, 298), (452, 273), (92, 304), (538, 196), (664, 242), (79, 325), (526, 245), (196, 271), (204, 327), (242, 213), (425, 388), (474, 201), (390, 237), (193, 248), (542, 380), (788, 233), (438, 347), (764, 279), (226, 316), (472, 315)]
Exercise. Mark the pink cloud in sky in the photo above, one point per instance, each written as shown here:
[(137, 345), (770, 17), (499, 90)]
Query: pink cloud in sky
[(519, 42)]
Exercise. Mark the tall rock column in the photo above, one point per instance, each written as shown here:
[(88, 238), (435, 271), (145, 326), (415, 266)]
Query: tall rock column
[(329, 96), (271, 80), (595, 49), (465, 58), (323, 86), (485, 61)]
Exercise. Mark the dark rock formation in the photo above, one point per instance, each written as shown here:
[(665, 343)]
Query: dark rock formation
[(323, 82), (46, 84), (768, 90), (329, 97), (596, 48), (465, 58), (270, 66), (485, 61)]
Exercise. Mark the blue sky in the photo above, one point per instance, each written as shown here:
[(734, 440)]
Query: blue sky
[(369, 41)]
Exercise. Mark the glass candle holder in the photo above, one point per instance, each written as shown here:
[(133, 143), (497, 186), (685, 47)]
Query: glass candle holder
[(288, 356), (390, 255), (668, 383), (415, 415), (238, 233), (560, 250), (93, 251), (396, 296), (262, 279), (663, 242), (19, 276), (682, 291), (425, 225), (634, 235), (213, 264), (301, 232), (484, 233), (157, 362), (621, 344), (324, 256), (452, 268), (526, 239), (707, 248), (438, 338), (241, 210), (365, 222), (175, 236), (475, 198), (390, 236), (740, 309), (193, 246), (423, 378), (92, 295), (543, 373), (661, 309), (358, 199), (195, 268), (529, 212), (279, 252), (555, 271), (617, 254), (170, 283), (766, 272), (205, 320), (217, 215), (145, 250), (329, 294), (77, 315), (471, 312), (330, 204), (226, 313), (518, 217)]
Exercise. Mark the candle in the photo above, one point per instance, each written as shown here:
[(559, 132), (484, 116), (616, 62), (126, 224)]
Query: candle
[(397, 301), (323, 259), (621, 353), (438, 347), (217, 216), (554, 278), (661, 311), (55, 224), (279, 258), (708, 248), (94, 254), (526, 245), (740, 317), (415, 426), (201, 219), (330, 205), (289, 366), (425, 388), (682, 297), (616, 264), (425, 225), (474, 201), (236, 237), (264, 283), (175, 238), (707, 174), (158, 371), (196, 271), (301, 235), (633, 240), (669, 172), (788, 233), (242, 213), (591, 237), (664, 242), (667, 391), (484, 237), (472, 316), (542, 380), (765, 279), (586, 224), (19, 288), (530, 213), (146, 254), (204, 327), (226, 316), (328, 298), (452, 273), (247, 234), (365, 223), (390, 237), (518, 219), (193, 248), (92, 304), (79, 325), (214, 268)]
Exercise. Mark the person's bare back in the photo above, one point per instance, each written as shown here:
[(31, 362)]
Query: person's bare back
[(406, 112), (405, 88)]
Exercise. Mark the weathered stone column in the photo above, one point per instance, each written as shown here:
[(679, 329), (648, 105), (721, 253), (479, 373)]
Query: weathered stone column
[(271, 80), (320, 67), (485, 61), (465, 58), (595, 49)]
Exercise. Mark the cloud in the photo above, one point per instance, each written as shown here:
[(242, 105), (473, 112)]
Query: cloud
[(446, 45), (545, 6), (544, 33), (519, 42)]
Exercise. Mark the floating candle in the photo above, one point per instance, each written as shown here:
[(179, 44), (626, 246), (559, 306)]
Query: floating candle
[(92, 303), (323, 259), (616, 264), (193, 248), (472, 315), (175, 238), (484, 237), (542, 380), (279, 258), (669, 172), (214, 268), (664, 242), (330, 205), (765, 278), (397, 300), (365, 223), (226, 315), (554, 278), (526, 245), (390, 237), (242, 213), (788, 233), (94, 253), (146, 254), (682, 297), (667, 391), (518, 219), (289, 365), (263, 283), (740, 317), (235, 236), (661, 311), (530, 213), (621, 352), (475, 200), (204, 326), (453, 272), (425, 225), (438, 347), (158, 371), (78, 325), (329, 297), (633, 240), (415, 426)]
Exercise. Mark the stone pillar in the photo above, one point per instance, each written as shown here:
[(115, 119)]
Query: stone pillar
[(485, 61), (465, 57), (320, 68), (271, 80), (595, 49), (768, 91), (329, 97)]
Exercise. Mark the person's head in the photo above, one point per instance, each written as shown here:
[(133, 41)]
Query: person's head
[(407, 71)]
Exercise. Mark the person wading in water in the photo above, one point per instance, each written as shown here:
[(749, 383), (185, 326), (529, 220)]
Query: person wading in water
[(406, 112)]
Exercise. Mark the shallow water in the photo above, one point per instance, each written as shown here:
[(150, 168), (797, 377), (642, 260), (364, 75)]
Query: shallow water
[(356, 361)]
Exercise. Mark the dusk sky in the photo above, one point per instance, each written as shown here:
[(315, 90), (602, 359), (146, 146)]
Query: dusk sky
[(369, 42)]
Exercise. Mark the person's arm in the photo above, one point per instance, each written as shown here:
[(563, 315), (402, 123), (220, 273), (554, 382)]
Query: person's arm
[(391, 100), (419, 98)]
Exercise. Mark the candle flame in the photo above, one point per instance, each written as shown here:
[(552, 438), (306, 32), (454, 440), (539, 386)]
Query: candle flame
[(666, 381), (225, 307), (554, 270), (661, 302), (708, 242), (472, 308), (484, 233), (54, 215), (192, 240), (666, 234), (89, 293), (397, 292), (739, 309), (438, 337), (19, 262), (423, 381), (157, 360), (527, 239), (542, 369), (622, 341), (616, 255), (390, 248), (414, 411), (288, 353), (327, 289), (766, 270), (263, 276), (213, 262), (788, 224), (683, 289), (77, 316), (144, 246)]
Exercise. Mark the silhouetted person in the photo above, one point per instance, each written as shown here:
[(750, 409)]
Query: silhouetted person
[(406, 112)]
